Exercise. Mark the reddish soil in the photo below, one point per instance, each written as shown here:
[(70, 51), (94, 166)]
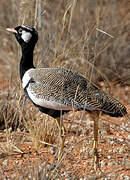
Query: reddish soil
[(77, 162)]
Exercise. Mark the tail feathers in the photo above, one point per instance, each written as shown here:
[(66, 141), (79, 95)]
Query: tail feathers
[(112, 107), (98, 100), (119, 113)]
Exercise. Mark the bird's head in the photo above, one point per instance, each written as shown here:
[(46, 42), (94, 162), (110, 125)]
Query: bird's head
[(26, 36)]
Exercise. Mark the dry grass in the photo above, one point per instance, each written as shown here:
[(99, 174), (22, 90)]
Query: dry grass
[(86, 36), (42, 129)]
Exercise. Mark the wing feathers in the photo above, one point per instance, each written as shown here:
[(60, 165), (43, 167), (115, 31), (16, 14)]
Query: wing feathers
[(58, 88)]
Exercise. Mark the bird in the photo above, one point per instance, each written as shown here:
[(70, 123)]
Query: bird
[(56, 91)]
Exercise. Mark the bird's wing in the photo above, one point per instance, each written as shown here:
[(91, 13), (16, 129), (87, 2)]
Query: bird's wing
[(58, 88), (62, 89)]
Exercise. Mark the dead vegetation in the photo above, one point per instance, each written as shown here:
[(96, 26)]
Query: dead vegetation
[(90, 37)]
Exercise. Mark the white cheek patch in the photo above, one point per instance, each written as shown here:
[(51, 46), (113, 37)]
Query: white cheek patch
[(26, 78), (26, 36)]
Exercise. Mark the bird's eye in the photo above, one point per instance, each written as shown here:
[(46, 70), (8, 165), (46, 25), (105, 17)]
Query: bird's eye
[(20, 31)]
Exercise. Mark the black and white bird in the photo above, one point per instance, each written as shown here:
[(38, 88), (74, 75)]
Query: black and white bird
[(56, 91)]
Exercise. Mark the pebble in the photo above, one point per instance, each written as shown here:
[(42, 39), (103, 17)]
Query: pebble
[(109, 157), (111, 163), (121, 150), (103, 163), (5, 162), (66, 142), (103, 133), (112, 142), (121, 140), (40, 168), (107, 178), (16, 161), (91, 152), (126, 162), (114, 150), (14, 176), (123, 162), (90, 124), (99, 150), (122, 176), (52, 150), (110, 151), (84, 149), (128, 136), (127, 177), (102, 140), (116, 162)]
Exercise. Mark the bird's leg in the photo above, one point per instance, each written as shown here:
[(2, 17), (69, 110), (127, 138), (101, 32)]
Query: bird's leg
[(62, 136), (95, 144)]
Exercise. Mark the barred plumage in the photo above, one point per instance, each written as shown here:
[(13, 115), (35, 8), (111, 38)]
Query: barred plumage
[(72, 90)]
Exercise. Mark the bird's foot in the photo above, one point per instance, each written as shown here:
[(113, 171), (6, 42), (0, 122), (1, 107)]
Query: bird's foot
[(57, 158)]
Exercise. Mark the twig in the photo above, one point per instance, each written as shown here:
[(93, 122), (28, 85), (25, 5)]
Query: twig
[(104, 32)]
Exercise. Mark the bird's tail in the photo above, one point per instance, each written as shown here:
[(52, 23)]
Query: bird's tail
[(111, 106)]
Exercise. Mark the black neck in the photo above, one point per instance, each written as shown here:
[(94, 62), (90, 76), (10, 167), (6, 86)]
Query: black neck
[(26, 62)]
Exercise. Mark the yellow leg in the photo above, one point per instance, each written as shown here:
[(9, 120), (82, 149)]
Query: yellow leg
[(62, 137), (95, 144), (58, 125)]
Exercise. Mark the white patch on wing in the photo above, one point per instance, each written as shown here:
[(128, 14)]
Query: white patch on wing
[(47, 104), (26, 36), (26, 78)]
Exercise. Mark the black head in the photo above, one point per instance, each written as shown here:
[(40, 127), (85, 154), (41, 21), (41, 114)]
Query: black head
[(26, 36)]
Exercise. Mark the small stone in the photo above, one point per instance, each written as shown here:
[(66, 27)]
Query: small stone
[(18, 130), (114, 150), (128, 136), (121, 140), (64, 174), (109, 157), (116, 162), (123, 162), (85, 163), (52, 150), (127, 178), (40, 168), (91, 152), (127, 162), (16, 161), (84, 149), (107, 178), (111, 163), (103, 163), (122, 176), (100, 150), (66, 142), (13, 176), (110, 151), (5, 162), (83, 178), (121, 150), (104, 133)]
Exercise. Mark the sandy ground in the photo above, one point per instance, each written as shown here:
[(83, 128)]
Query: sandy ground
[(24, 161)]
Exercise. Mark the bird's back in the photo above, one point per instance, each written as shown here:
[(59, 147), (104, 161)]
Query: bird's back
[(72, 91)]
